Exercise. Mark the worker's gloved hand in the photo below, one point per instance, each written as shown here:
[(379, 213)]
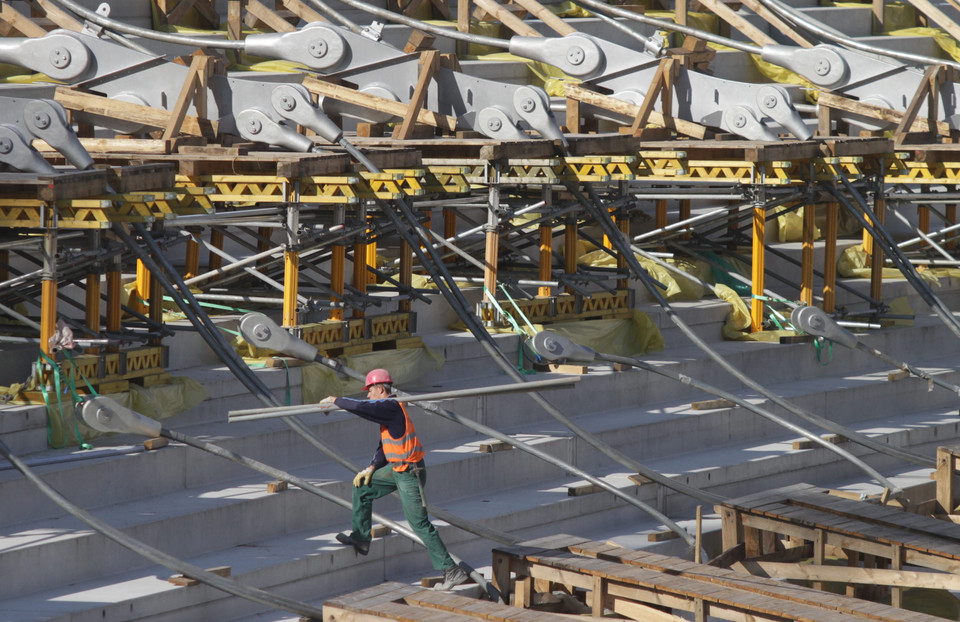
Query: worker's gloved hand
[(327, 404), (363, 477)]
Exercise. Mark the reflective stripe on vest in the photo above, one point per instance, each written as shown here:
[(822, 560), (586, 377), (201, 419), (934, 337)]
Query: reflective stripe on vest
[(405, 450)]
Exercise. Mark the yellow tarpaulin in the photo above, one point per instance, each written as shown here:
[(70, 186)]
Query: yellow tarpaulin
[(405, 365), (157, 402)]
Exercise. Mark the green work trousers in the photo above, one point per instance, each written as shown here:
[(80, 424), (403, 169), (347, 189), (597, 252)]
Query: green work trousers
[(384, 481)]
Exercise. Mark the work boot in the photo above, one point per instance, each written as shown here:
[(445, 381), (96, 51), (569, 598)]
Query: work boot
[(360, 546), (452, 576)]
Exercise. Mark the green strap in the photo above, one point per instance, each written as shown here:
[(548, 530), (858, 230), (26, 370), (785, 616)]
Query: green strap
[(496, 304), (56, 380), (533, 330), (818, 344), (84, 378), (287, 370), (516, 328)]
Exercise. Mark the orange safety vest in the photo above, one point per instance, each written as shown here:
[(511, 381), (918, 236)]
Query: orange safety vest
[(405, 450)]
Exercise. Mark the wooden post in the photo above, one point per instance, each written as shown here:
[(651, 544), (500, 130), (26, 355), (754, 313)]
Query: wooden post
[(92, 289), (697, 557), (215, 261), (830, 257), (492, 229), (853, 561), (951, 214), (875, 253), (48, 289), (896, 563), (946, 475), (623, 224), (449, 229), (685, 215), (463, 23), (546, 258), (191, 266), (806, 253), (597, 601), (570, 249), (406, 272), (425, 68), (731, 525), (759, 249), (155, 300), (819, 553), (291, 265), (923, 221), (337, 265)]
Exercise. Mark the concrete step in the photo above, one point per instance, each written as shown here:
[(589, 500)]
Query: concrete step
[(308, 564), (653, 430)]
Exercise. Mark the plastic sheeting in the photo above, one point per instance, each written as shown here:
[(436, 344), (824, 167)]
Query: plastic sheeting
[(737, 325), (157, 402), (632, 336), (853, 263), (677, 287), (405, 365)]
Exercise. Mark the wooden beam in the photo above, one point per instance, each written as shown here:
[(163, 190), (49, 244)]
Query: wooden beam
[(176, 15), (845, 574), (57, 15), (778, 24), (940, 18), (547, 16), (724, 12), (145, 115), (507, 18), (268, 16), (425, 70), (925, 92), (586, 96), (198, 64), (838, 102), (650, 99), (380, 104), (20, 22), (305, 13)]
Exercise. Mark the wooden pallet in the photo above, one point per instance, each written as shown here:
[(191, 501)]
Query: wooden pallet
[(646, 586), (397, 601)]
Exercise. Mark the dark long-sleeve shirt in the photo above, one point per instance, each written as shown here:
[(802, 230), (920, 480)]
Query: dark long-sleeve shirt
[(386, 412)]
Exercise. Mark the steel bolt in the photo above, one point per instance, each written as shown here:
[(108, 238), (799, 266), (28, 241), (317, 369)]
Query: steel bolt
[(318, 48), (576, 55), (255, 126), (6, 145), (60, 57), (740, 121), (494, 125), (769, 101), (822, 67), (528, 105), (288, 103), (41, 120), (261, 332)]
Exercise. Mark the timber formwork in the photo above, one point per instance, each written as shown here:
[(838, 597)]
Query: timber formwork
[(646, 586), (874, 542)]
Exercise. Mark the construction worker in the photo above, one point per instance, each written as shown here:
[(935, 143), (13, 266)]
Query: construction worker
[(397, 465)]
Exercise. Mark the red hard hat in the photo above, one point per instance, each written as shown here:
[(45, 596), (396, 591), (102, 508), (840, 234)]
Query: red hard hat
[(377, 376)]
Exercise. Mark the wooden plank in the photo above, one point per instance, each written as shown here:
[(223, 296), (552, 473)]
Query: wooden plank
[(426, 67), (838, 102), (844, 574), (778, 24), (268, 16), (58, 16), (184, 581), (145, 115), (20, 22), (727, 14), (712, 404), (305, 13), (380, 104), (507, 18), (547, 16), (586, 96)]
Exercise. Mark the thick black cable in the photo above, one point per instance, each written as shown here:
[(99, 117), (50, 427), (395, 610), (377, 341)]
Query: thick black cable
[(157, 556), (606, 223), (883, 238)]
